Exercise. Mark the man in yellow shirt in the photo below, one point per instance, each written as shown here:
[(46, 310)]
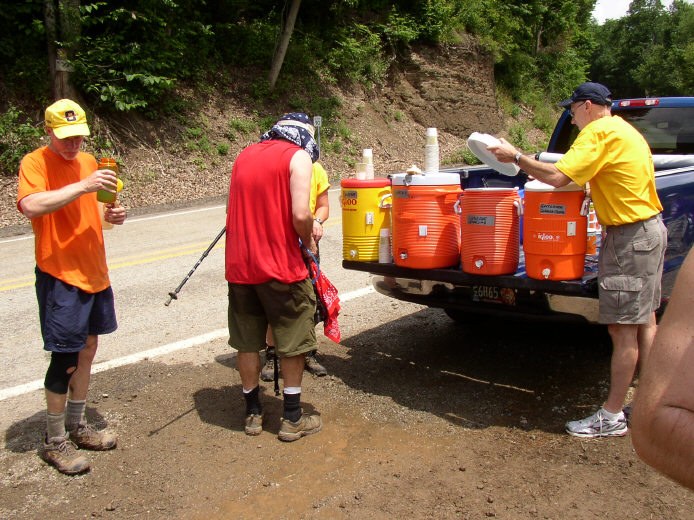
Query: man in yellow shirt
[(616, 159), (57, 192)]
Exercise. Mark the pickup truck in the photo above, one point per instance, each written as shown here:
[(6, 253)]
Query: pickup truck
[(668, 126)]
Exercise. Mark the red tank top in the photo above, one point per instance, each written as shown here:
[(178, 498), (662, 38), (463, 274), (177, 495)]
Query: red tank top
[(261, 243)]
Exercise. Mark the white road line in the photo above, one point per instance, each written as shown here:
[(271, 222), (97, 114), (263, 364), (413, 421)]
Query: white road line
[(7, 393), (133, 220)]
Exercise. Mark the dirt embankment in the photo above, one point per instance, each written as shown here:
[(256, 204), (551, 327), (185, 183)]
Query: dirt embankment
[(166, 162)]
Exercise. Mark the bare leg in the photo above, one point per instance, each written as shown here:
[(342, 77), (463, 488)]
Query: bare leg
[(249, 369), (79, 382), (625, 355), (646, 334), (293, 369)]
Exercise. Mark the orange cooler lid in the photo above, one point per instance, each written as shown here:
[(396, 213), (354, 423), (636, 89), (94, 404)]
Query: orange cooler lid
[(377, 182)]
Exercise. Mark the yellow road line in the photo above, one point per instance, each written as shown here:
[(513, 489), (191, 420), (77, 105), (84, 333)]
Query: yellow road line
[(129, 261), (28, 281)]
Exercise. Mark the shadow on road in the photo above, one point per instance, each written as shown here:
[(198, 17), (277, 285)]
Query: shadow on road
[(530, 375)]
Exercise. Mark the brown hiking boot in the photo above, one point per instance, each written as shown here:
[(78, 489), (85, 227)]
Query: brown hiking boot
[(86, 437), (267, 373), (313, 365), (293, 431), (254, 424), (62, 454)]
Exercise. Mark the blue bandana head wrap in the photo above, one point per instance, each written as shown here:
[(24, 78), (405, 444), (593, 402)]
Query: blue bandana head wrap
[(295, 127)]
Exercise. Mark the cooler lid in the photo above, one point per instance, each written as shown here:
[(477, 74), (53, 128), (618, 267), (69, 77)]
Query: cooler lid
[(536, 185), (376, 182), (427, 179), (491, 189), (478, 143)]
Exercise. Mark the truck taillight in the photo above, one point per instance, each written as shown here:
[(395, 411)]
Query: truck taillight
[(639, 102)]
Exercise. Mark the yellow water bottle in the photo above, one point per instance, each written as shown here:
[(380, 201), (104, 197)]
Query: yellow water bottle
[(107, 164)]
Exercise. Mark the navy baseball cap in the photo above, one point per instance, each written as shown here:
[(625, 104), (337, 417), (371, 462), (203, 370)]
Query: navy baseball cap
[(589, 91)]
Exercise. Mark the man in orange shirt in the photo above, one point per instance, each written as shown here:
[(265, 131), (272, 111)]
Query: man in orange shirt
[(57, 192)]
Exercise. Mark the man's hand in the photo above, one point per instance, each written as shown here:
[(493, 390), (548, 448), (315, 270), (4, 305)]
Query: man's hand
[(100, 180), (312, 247), (504, 151), (317, 231), (114, 213)]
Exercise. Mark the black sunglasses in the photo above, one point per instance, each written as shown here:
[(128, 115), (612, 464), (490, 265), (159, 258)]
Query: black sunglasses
[(571, 112)]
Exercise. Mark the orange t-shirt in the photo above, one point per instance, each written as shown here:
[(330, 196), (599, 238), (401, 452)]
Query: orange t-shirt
[(69, 242)]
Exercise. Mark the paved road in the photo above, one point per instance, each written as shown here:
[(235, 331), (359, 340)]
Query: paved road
[(148, 257)]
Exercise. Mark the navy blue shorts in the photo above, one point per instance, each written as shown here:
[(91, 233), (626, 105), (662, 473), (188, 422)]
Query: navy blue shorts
[(68, 314)]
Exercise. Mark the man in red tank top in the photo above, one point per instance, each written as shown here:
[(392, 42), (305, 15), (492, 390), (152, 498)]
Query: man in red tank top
[(268, 223)]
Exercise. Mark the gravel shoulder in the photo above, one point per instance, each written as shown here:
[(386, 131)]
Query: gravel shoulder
[(422, 419)]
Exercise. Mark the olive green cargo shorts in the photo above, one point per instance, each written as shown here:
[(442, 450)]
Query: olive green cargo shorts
[(288, 308), (630, 269)]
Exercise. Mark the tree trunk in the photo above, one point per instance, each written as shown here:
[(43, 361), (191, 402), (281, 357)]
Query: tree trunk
[(66, 28), (287, 30), (51, 37)]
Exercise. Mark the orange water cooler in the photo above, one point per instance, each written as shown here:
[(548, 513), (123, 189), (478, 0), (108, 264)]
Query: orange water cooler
[(426, 228), (490, 223), (365, 212), (554, 231)]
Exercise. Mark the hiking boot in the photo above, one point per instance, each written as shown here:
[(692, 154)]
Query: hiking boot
[(597, 425), (293, 431), (62, 454), (313, 366), (254, 424), (267, 373), (86, 437)]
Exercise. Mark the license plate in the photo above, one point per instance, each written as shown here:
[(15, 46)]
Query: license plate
[(490, 294)]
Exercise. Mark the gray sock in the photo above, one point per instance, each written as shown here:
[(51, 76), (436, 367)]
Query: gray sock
[(74, 413), (55, 425)]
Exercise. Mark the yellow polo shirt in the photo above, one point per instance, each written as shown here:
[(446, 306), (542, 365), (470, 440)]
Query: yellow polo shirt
[(616, 159)]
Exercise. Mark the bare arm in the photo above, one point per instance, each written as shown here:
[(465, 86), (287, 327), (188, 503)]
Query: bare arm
[(322, 212), (300, 169), (544, 172), (663, 421), (38, 204)]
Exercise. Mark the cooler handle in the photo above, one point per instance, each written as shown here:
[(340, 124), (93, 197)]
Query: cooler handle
[(456, 207), (382, 204), (519, 207), (585, 206), (439, 191)]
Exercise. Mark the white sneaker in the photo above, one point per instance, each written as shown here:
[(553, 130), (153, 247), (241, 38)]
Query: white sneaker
[(597, 425)]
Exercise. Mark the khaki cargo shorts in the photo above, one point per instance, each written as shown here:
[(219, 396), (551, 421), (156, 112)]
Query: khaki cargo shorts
[(630, 269), (288, 308)]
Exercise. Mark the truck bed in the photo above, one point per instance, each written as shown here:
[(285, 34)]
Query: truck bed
[(586, 286)]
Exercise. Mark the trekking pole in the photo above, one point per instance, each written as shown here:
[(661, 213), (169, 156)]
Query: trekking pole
[(173, 295)]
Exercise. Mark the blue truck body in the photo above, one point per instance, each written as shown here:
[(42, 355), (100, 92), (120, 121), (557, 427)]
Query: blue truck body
[(668, 126)]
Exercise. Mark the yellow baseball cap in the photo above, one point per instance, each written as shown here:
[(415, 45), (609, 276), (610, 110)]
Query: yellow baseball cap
[(67, 119)]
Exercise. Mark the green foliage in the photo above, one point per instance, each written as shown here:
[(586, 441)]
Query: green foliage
[(18, 136), (223, 148), (23, 63), (518, 136), (240, 126), (130, 58), (460, 156), (648, 52), (358, 55)]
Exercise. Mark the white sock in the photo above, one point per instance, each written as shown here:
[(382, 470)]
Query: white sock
[(611, 416)]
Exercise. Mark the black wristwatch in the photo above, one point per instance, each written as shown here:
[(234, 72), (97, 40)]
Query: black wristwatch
[(319, 220), (516, 158)]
